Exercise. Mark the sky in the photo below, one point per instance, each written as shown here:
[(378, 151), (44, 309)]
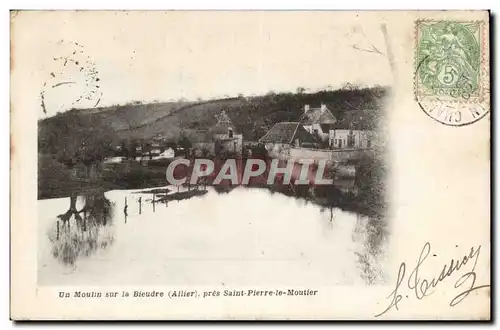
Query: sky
[(161, 56)]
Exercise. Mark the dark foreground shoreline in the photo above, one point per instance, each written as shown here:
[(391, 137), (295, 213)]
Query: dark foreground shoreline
[(55, 180)]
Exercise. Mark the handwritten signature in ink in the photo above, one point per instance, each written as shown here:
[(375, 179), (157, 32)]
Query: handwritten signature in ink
[(423, 287)]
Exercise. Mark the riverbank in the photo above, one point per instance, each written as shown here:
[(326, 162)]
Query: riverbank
[(55, 180), (364, 193)]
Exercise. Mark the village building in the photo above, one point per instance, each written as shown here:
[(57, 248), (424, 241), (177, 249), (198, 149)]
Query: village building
[(159, 137), (155, 148), (222, 138), (353, 131), (202, 144), (168, 153), (283, 136), (318, 121), (226, 139)]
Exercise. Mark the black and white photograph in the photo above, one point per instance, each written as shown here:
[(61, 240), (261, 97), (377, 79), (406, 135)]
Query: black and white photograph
[(108, 213), (269, 158)]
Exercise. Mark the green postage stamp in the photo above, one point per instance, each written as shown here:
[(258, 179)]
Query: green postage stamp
[(451, 71)]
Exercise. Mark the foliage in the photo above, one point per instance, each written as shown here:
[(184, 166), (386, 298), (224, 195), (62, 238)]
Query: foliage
[(184, 142), (253, 116), (75, 139)]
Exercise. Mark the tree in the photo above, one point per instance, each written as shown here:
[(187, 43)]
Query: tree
[(185, 143), (125, 151), (77, 139), (146, 148)]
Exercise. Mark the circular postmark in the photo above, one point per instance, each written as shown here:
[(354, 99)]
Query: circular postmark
[(72, 80), (453, 114), (451, 81)]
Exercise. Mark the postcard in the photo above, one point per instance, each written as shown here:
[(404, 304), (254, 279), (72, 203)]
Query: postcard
[(250, 165)]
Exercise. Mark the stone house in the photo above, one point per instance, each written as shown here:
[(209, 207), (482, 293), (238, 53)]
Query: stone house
[(318, 121), (282, 136), (220, 139), (353, 131)]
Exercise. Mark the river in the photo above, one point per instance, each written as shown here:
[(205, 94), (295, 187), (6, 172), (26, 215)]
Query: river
[(248, 236)]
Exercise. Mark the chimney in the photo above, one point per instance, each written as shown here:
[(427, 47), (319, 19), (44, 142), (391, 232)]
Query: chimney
[(306, 108), (323, 107)]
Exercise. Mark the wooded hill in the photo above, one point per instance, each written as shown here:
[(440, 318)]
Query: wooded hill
[(252, 116)]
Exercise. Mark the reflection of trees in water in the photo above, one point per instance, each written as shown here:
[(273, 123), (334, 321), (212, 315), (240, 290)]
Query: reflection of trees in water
[(371, 231), (328, 210), (81, 232), (224, 189)]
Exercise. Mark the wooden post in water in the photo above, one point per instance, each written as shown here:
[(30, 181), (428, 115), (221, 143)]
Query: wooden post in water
[(154, 196), (125, 209), (57, 229), (140, 205)]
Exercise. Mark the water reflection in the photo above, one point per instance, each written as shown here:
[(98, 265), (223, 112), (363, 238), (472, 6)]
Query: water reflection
[(373, 230), (370, 228), (160, 232), (80, 232)]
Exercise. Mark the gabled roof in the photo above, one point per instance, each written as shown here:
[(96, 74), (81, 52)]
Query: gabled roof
[(316, 116), (286, 132)]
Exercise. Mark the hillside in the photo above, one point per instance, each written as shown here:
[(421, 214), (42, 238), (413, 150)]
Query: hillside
[(252, 116)]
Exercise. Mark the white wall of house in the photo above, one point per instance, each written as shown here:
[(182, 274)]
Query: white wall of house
[(239, 142), (114, 160), (298, 154), (331, 156), (234, 143), (167, 154), (344, 138), (277, 150)]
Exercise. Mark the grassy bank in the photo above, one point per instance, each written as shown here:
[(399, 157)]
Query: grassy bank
[(57, 180)]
